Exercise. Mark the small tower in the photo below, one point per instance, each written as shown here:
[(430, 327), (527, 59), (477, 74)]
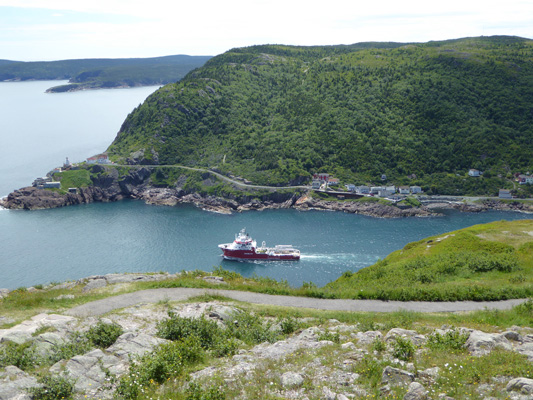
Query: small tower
[(67, 164)]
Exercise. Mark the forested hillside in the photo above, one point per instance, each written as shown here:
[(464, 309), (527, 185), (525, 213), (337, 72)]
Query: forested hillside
[(275, 114), (103, 73)]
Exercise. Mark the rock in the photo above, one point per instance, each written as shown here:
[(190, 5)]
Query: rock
[(90, 371), (215, 279), (95, 284), (365, 338), (348, 345), (291, 380), (328, 394), (23, 332), (132, 343), (526, 349), (4, 293), (47, 342), (412, 335), (415, 392), (65, 296), (480, 343), (522, 385), (512, 335), (14, 383), (223, 313), (395, 376), (429, 375)]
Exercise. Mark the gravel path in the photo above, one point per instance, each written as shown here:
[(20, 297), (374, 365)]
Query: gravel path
[(103, 306)]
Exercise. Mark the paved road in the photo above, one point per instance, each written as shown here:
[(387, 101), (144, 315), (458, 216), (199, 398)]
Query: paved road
[(103, 306), (241, 184)]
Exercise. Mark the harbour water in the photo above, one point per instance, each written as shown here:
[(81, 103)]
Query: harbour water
[(38, 247)]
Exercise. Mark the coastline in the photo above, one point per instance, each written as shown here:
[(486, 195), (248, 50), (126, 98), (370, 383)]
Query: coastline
[(137, 185)]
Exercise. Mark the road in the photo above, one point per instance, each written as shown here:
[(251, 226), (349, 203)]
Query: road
[(100, 307), (227, 179)]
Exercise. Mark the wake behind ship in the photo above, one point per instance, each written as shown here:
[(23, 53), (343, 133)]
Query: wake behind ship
[(245, 248)]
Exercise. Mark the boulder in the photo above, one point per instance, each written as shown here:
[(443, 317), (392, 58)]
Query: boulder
[(480, 343), (415, 392), (365, 338), (14, 383), (132, 343), (522, 385), (396, 376), (291, 380)]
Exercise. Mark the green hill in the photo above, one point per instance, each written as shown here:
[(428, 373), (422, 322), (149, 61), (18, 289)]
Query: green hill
[(103, 73), (484, 262), (276, 114)]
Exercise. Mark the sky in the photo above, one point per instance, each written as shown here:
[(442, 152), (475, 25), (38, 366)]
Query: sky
[(44, 30)]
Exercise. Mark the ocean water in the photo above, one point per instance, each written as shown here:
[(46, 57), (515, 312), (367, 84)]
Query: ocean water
[(38, 247)]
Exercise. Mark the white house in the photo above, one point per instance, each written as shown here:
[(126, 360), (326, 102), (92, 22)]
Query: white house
[(99, 159), (363, 189), (350, 187), (403, 189), (416, 189), (376, 189), (474, 172), (391, 189), (333, 181), (316, 184), (525, 179)]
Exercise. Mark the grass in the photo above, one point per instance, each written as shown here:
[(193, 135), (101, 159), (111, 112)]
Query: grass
[(483, 262)]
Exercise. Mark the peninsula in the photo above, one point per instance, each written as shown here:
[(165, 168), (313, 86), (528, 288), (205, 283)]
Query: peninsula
[(87, 74)]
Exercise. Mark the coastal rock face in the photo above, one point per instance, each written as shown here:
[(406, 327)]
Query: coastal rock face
[(373, 209)]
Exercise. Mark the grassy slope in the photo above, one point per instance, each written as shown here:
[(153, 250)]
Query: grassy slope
[(275, 114), (483, 262)]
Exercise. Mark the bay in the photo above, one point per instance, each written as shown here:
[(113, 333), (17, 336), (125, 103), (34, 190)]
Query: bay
[(37, 132)]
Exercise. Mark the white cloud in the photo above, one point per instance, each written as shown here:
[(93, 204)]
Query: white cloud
[(160, 27)]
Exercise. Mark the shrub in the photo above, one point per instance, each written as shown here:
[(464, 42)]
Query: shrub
[(53, 387), (451, 340), (403, 348), (20, 355), (196, 392), (104, 335), (177, 328), (250, 329), (288, 325), (166, 361), (379, 345)]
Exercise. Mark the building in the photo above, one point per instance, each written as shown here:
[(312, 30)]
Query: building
[(322, 177), (525, 179), (67, 164), (363, 190), (350, 187), (52, 185), (41, 181), (391, 189), (333, 181), (505, 194), (376, 189), (316, 184), (403, 190), (474, 172), (383, 177), (99, 159), (415, 189)]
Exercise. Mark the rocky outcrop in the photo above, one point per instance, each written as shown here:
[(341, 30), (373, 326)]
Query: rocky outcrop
[(373, 209)]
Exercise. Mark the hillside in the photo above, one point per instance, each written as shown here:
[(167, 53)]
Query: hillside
[(484, 262), (276, 114), (103, 73)]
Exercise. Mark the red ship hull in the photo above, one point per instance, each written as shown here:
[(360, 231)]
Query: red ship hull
[(230, 254)]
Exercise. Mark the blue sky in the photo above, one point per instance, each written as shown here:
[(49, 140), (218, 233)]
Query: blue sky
[(64, 29)]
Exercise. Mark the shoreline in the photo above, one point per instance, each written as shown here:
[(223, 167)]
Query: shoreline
[(109, 186)]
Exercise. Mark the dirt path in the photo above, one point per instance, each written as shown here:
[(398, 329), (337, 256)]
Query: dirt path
[(103, 306)]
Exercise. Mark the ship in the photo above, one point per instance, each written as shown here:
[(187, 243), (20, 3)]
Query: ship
[(245, 248)]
